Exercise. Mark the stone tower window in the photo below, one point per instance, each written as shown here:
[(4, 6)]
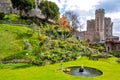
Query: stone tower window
[(108, 48)]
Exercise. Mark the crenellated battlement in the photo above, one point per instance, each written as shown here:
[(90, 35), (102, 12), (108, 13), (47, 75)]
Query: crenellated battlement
[(99, 11)]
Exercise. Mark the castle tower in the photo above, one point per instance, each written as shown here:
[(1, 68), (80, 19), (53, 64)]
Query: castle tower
[(108, 27), (91, 25), (5, 6), (99, 24), (90, 30)]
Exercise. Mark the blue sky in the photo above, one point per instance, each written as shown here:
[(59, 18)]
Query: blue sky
[(86, 9)]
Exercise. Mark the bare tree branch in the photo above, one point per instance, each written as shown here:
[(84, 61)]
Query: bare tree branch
[(74, 18)]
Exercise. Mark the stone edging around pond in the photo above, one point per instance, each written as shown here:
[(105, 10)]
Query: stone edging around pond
[(86, 72)]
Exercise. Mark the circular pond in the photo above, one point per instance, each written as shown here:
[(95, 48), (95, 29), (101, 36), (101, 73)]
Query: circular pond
[(83, 71)]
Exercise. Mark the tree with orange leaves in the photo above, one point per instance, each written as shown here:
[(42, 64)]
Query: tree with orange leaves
[(64, 22)]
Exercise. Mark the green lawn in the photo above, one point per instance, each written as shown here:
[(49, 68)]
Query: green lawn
[(110, 68), (11, 39)]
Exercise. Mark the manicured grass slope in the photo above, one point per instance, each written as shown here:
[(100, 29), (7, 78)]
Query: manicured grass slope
[(11, 39), (110, 68)]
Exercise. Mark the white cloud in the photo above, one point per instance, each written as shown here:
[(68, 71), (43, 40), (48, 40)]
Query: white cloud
[(81, 5), (114, 15), (77, 4)]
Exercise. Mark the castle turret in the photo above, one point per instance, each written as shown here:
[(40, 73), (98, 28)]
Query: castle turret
[(108, 27), (99, 23)]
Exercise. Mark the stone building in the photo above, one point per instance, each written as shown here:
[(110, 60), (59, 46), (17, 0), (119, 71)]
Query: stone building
[(112, 45), (6, 6), (98, 29)]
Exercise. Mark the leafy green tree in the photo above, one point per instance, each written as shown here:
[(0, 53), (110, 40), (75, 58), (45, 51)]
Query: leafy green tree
[(49, 9), (23, 5)]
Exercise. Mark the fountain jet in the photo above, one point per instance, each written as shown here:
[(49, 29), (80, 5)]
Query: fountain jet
[(81, 69)]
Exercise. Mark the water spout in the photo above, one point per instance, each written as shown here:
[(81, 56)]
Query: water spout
[(81, 69)]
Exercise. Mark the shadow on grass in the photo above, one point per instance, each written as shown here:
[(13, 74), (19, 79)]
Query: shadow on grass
[(23, 66), (15, 65)]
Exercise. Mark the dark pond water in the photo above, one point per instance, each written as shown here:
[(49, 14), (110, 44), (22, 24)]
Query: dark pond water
[(86, 72)]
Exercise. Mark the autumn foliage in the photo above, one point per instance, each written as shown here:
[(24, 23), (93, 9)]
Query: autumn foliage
[(64, 22)]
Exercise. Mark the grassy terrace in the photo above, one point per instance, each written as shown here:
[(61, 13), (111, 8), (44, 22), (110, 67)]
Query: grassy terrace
[(11, 37), (109, 67)]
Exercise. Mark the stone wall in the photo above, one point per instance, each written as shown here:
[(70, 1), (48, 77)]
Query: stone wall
[(6, 6), (79, 35), (112, 45), (91, 25)]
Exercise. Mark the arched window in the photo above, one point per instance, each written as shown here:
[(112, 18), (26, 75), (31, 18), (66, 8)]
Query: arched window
[(108, 48)]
